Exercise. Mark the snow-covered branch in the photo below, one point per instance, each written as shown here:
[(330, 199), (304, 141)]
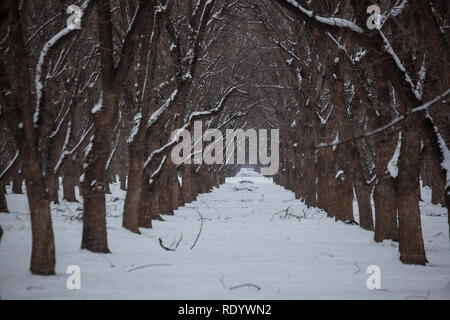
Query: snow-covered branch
[(43, 54), (331, 21), (390, 124)]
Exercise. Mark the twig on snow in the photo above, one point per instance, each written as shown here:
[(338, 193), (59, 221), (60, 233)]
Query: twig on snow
[(205, 204), (171, 247), (245, 285), (150, 265), (199, 231)]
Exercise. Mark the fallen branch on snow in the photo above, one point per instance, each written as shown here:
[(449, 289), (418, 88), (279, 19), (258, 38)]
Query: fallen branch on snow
[(245, 285), (199, 231), (171, 248), (288, 212), (150, 265)]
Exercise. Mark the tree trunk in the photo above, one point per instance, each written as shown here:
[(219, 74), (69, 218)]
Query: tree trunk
[(363, 192), (344, 199), (17, 183), (93, 191), (3, 203), (53, 187), (43, 249), (412, 249), (438, 184), (186, 184), (174, 190), (385, 199), (145, 214), (69, 181), (123, 179), (132, 204), (154, 204), (94, 236), (20, 109), (309, 180)]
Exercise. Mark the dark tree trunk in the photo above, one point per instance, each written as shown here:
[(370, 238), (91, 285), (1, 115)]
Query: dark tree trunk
[(17, 183), (123, 179), (3, 203), (438, 184), (385, 199), (363, 192), (53, 188), (344, 199), (20, 109), (145, 214), (43, 249), (69, 181), (186, 180), (154, 203), (132, 205), (412, 249)]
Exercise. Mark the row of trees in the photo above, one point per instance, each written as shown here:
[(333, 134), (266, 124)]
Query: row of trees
[(375, 115), (91, 104), (360, 111)]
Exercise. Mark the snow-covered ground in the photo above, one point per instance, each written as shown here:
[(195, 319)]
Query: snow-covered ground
[(249, 248)]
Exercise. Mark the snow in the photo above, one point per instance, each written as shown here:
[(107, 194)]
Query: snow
[(16, 156), (98, 106), (445, 164), (400, 65), (161, 164), (446, 156), (398, 8), (43, 54), (332, 21), (135, 128), (157, 114), (64, 152), (246, 238), (392, 164), (180, 180), (335, 141)]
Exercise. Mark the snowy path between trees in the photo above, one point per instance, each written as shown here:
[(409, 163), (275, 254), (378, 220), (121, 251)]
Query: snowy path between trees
[(245, 251)]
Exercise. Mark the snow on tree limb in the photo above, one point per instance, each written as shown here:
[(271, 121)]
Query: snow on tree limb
[(391, 123), (194, 115), (9, 166), (331, 21), (43, 54)]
